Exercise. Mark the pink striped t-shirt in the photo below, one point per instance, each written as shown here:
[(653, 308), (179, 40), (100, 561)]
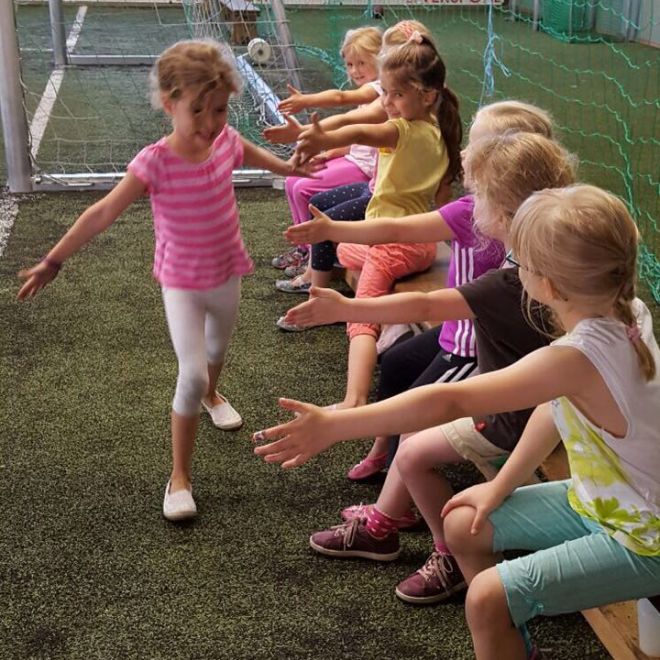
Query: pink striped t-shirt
[(198, 237)]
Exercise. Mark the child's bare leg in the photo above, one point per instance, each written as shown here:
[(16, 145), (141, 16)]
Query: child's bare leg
[(493, 634), (184, 430), (416, 459), (211, 397), (394, 499), (321, 278), (381, 446), (361, 363)]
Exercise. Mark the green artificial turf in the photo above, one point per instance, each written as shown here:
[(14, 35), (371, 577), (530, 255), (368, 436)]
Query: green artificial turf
[(89, 569)]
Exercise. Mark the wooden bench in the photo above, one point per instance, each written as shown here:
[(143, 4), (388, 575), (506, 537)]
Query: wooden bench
[(615, 625)]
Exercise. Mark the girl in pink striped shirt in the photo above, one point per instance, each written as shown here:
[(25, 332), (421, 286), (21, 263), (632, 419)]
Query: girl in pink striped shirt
[(200, 256)]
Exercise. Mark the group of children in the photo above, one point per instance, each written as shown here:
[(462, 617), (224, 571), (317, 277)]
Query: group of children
[(540, 300)]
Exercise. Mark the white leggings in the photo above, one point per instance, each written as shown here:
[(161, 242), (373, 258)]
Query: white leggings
[(200, 324)]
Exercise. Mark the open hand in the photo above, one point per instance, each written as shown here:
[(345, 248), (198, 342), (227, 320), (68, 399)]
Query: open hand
[(312, 140), (295, 102), (35, 279), (312, 231), (295, 442), (483, 498), (307, 169), (323, 307), (284, 133)]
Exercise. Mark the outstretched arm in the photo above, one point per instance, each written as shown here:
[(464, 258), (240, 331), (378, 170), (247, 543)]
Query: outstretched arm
[(262, 158), (421, 228), (316, 138), (289, 131), (328, 306), (327, 99), (94, 220), (566, 371)]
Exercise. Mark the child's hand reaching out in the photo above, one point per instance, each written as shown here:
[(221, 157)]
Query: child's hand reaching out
[(295, 102), (313, 231), (305, 169), (295, 442), (284, 133), (312, 140), (323, 307), (36, 278)]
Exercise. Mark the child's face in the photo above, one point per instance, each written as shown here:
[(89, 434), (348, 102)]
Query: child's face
[(360, 68), (198, 122), (404, 100)]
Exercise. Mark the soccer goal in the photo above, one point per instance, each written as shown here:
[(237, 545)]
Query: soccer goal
[(74, 79)]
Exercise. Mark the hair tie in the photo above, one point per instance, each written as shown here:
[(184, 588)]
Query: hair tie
[(406, 28), (416, 37), (634, 333)]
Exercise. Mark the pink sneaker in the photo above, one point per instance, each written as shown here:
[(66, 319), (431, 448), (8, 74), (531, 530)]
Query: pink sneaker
[(367, 467), (409, 520)]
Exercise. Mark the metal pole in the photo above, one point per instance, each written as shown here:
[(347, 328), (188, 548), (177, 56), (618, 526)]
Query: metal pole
[(14, 123), (57, 32), (284, 34)]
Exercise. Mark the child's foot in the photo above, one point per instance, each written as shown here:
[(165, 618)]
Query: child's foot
[(296, 285), (222, 413), (409, 520), (437, 580), (292, 257), (352, 539), (367, 467), (178, 504)]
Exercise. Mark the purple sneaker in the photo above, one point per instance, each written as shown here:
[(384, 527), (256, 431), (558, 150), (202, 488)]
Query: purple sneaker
[(352, 539), (439, 578)]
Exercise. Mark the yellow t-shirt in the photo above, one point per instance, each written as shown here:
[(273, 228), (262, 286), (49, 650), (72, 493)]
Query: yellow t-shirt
[(409, 175)]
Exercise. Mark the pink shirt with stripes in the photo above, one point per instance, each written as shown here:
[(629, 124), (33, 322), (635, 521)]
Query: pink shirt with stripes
[(198, 237)]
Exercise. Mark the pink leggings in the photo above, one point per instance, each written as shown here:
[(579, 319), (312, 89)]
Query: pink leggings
[(337, 172), (381, 266)]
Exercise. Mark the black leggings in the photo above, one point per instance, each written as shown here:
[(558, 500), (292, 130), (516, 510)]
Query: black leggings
[(419, 361), (343, 203)]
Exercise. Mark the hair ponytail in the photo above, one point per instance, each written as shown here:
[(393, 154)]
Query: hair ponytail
[(451, 127), (418, 63), (623, 311)]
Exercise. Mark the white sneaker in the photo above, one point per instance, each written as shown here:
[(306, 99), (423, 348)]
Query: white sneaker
[(223, 415), (179, 505), (290, 327)]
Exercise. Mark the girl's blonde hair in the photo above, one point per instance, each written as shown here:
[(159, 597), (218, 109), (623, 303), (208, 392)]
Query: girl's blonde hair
[(506, 169), (509, 115), (584, 241), (365, 41), (400, 33), (418, 63), (202, 65)]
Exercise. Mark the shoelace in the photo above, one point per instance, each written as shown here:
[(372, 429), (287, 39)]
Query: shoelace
[(437, 565), (348, 531)]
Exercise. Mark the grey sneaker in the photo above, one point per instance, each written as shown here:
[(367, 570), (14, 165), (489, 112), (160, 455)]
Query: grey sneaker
[(439, 578), (352, 539), (292, 257), (296, 285), (294, 271)]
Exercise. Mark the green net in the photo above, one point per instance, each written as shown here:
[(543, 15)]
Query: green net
[(591, 65)]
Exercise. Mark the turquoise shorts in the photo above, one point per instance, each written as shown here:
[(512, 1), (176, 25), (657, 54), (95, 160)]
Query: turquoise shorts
[(576, 564)]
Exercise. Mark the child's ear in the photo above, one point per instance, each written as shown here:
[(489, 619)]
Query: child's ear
[(552, 291), (166, 102)]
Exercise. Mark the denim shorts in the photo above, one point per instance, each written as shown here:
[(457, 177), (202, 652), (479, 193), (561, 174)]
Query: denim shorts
[(575, 563)]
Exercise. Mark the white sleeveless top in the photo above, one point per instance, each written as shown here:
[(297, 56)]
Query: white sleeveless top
[(616, 481), (361, 155)]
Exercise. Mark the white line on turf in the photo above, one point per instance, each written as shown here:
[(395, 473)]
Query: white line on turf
[(8, 213), (42, 113)]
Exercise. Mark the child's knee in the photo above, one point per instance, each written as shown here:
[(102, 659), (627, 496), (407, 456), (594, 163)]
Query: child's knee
[(190, 388), (410, 459), (457, 528), (485, 603)]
